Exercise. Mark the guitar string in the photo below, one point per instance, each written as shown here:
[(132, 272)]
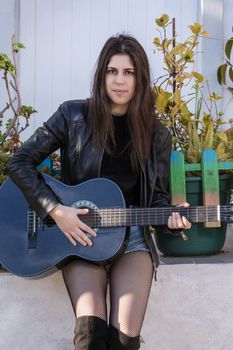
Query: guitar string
[(123, 215), (157, 211)]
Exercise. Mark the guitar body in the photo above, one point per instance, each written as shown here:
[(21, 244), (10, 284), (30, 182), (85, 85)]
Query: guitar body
[(29, 247), (28, 255)]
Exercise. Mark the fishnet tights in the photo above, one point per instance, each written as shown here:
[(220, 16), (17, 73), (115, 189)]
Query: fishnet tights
[(129, 283)]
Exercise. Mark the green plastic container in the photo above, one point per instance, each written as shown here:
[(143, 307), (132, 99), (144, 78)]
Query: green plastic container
[(201, 240)]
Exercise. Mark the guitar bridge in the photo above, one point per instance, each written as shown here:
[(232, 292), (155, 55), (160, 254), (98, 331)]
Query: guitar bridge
[(33, 222)]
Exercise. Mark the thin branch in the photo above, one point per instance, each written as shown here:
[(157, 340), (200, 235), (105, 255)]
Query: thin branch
[(4, 110), (225, 108), (167, 79), (25, 126), (204, 100), (162, 76), (12, 85), (9, 93), (15, 76), (229, 63), (209, 92), (174, 57)]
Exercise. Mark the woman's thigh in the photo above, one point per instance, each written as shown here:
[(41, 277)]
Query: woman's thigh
[(130, 283), (86, 284)]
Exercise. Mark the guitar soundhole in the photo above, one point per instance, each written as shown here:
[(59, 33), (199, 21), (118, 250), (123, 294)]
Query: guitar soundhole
[(82, 204)]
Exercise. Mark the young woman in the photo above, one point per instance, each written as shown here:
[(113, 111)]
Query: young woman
[(114, 134)]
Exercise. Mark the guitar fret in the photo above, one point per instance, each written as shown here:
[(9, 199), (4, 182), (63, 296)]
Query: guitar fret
[(150, 216), (218, 212), (142, 216)]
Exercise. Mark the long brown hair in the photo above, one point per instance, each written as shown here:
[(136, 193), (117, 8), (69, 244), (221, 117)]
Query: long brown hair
[(141, 107)]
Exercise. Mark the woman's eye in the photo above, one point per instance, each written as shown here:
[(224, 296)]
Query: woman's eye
[(111, 71), (129, 72)]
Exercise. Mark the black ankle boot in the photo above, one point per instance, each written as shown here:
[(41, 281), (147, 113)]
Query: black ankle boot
[(91, 333), (117, 340)]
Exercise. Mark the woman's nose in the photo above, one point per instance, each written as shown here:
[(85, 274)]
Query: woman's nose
[(119, 78)]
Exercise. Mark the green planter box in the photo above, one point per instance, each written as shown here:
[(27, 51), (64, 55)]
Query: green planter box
[(201, 240)]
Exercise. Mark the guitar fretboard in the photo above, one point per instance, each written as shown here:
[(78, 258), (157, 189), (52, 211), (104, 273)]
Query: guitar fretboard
[(149, 216), (113, 217)]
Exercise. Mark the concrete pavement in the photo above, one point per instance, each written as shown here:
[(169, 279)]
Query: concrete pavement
[(190, 307)]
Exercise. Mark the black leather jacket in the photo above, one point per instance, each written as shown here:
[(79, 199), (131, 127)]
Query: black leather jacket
[(69, 130)]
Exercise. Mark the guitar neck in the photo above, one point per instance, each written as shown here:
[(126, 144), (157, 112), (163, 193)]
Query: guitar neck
[(150, 216)]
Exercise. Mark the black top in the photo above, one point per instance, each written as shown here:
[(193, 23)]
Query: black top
[(117, 165)]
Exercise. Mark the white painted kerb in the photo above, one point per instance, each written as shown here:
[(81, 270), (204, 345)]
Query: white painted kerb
[(191, 307)]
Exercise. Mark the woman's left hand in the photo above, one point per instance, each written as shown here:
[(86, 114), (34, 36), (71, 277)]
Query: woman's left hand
[(175, 221)]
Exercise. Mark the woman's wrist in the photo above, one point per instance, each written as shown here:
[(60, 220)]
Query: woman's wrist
[(55, 211)]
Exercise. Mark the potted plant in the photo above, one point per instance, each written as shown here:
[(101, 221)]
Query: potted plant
[(202, 148), (15, 116)]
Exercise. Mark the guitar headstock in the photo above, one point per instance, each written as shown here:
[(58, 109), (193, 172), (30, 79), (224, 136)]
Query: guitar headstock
[(226, 213)]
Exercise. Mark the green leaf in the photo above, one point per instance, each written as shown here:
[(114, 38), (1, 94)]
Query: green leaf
[(162, 21), (157, 90), (195, 136), (26, 111), (196, 28), (2, 64), (204, 33), (188, 55), (157, 42), (214, 97), (228, 48), (221, 150), (162, 101), (223, 136), (20, 45), (199, 102), (178, 50), (231, 73), (177, 97), (167, 42), (221, 74), (208, 141), (199, 77), (185, 114)]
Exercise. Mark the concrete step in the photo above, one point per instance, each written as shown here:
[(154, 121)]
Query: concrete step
[(190, 307)]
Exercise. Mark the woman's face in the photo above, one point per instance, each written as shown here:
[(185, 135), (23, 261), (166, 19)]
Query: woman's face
[(120, 83)]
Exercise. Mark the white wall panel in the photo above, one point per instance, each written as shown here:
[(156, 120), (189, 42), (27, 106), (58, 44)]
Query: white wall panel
[(137, 19), (44, 59), (81, 49), (7, 24), (8, 27), (212, 17), (64, 38), (99, 27), (227, 34), (28, 57), (118, 16), (62, 50)]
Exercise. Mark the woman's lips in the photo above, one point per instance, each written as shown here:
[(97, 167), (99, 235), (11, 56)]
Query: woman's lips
[(116, 91)]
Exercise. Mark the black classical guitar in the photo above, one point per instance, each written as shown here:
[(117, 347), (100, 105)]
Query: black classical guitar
[(29, 247)]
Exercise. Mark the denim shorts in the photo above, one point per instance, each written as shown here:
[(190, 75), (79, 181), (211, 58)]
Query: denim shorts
[(136, 240)]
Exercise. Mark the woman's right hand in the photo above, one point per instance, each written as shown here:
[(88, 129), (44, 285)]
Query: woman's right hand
[(67, 219)]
